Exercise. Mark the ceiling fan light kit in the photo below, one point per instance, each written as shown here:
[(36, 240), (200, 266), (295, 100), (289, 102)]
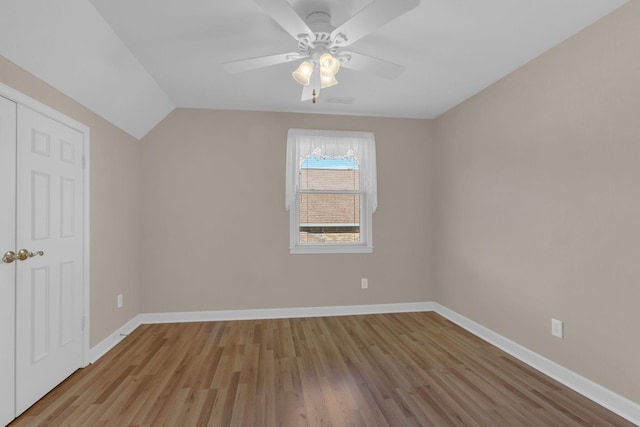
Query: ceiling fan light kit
[(320, 44), (327, 65)]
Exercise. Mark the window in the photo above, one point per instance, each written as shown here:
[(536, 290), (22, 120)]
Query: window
[(330, 191)]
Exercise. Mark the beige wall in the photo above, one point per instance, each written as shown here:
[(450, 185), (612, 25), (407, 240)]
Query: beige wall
[(538, 204), (216, 234), (115, 190)]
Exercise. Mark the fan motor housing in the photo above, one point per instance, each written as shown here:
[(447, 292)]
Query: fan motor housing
[(320, 41), (319, 22)]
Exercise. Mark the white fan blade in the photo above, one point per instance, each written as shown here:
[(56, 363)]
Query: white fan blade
[(282, 12), (369, 64), (260, 62), (373, 16)]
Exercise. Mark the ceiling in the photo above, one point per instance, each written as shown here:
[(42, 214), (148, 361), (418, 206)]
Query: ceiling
[(133, 61)]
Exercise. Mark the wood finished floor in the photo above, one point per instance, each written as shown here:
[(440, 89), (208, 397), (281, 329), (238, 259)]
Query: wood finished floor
[(410, 369)]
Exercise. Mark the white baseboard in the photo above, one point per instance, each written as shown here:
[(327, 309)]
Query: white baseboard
[(603, 396), (284, 313), (100, 349)]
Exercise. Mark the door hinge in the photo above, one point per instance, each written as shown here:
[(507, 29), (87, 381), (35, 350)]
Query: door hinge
[(83, 323)]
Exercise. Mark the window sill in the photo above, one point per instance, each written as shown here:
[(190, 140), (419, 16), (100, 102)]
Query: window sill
[(331, 249)]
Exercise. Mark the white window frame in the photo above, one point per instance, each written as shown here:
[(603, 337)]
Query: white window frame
[(302, 143)]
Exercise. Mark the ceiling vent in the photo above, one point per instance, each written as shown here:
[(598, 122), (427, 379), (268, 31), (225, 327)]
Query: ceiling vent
[(336, 100)]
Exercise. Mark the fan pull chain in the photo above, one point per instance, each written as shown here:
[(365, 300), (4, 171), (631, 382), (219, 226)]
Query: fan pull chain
[(314, 96)]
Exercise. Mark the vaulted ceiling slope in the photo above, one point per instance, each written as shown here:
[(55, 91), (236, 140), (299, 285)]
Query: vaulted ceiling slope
[(69, 45), (133, 61)]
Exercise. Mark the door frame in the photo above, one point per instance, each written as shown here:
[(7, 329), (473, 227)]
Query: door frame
[(22, 99)]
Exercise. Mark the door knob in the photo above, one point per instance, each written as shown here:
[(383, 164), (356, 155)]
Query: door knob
[(24, 254), (9, 257)]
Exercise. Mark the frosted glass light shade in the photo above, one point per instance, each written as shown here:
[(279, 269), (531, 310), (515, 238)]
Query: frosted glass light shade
[(329, 64), (327, 80), (303, 73)]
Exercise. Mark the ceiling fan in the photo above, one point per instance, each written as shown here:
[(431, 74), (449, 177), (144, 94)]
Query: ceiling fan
[(321, 45)]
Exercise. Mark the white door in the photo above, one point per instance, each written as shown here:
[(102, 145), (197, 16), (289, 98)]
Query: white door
[(49, 225), (41, 279), (7, 270)]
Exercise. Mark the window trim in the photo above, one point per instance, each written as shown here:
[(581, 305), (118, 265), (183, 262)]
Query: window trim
[(367, 192)]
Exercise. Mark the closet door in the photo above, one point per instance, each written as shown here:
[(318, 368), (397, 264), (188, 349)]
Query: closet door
[(41, 245), (49, 280), (7, 267)]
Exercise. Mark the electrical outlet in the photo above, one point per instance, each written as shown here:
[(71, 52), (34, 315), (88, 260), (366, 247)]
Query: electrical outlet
[(364, 282), (120, 302), (557, 328)]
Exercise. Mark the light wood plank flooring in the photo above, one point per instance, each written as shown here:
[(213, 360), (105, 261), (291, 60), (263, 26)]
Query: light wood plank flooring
[(410, 369)]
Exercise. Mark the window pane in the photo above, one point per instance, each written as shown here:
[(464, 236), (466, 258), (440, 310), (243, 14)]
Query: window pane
[(328, 179), (329, 174), (327, 218)]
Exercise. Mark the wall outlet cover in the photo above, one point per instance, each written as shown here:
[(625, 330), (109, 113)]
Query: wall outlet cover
[(557, 328)]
